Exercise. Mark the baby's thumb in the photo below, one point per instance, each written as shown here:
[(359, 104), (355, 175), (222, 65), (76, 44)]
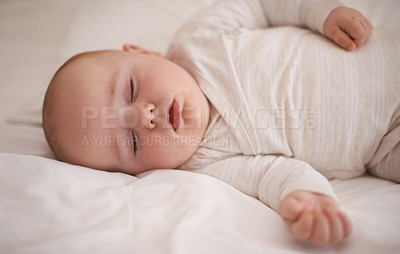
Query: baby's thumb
[(342, 39), (290, 208)]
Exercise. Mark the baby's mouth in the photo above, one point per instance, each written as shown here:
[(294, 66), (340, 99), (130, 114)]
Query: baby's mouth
[(174, 116)]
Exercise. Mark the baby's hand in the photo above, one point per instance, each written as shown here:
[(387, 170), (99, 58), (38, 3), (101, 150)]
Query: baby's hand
[(347, 27), (314, 217)]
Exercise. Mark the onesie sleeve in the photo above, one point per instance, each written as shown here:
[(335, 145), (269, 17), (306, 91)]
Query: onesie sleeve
[(253, 14), (307, 13), (268, 178)]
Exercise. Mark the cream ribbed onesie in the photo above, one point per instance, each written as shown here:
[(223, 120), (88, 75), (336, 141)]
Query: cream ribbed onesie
[(289, 108)]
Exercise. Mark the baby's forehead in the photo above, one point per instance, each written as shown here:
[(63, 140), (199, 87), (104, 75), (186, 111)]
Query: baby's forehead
[(89, 62), (88, 69), (93, 56)]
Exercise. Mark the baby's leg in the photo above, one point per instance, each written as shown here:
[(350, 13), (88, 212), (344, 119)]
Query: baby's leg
[(389, 167)]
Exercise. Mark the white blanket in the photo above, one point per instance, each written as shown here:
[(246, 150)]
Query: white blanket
[(51, 207)]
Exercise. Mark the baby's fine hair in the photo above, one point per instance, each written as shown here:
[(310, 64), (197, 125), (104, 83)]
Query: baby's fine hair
[(50, 108)]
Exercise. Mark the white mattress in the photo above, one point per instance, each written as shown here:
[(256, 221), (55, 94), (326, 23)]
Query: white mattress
[(51, 207)]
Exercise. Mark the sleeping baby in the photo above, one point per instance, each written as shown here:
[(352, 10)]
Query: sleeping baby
[(250, 93)]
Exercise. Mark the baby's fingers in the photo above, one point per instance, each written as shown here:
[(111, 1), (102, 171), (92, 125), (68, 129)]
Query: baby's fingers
[(321, 230), (337, 227), (347, 229), (367, 27), (340, 226), (303, 226), (347, 27), (342, 39), (358, 32), (290, 208)]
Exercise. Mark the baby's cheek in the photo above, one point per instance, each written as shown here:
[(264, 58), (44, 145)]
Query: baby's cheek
[(159, 153), (166, 152)]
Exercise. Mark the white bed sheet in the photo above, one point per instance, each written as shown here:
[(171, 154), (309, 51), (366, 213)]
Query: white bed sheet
[(52, 207)]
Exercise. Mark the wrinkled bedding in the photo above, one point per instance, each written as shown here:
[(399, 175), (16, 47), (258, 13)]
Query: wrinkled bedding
[(52, 207)]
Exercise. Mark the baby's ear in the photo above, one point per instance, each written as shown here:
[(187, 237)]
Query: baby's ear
[(136, 49)]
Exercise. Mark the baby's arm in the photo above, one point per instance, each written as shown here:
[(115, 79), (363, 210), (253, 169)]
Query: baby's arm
[(290, 187), (314, 217), (347, 27)]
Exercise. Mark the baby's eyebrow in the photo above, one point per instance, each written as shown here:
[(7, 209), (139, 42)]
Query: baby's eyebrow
[(111, 94)]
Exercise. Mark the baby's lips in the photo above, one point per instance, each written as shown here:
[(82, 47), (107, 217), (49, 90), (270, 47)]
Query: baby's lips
[(176, 116), (173, 115)]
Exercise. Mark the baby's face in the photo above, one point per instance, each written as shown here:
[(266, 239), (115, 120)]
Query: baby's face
[(129, 112)]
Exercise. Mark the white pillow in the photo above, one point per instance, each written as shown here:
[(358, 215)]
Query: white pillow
[(108, 24)]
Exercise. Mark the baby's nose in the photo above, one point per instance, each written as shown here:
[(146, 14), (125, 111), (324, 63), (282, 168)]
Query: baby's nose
[(148, 116)]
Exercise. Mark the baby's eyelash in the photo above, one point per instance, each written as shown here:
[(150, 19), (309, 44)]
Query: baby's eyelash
[(134, 142), (132, 90)]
